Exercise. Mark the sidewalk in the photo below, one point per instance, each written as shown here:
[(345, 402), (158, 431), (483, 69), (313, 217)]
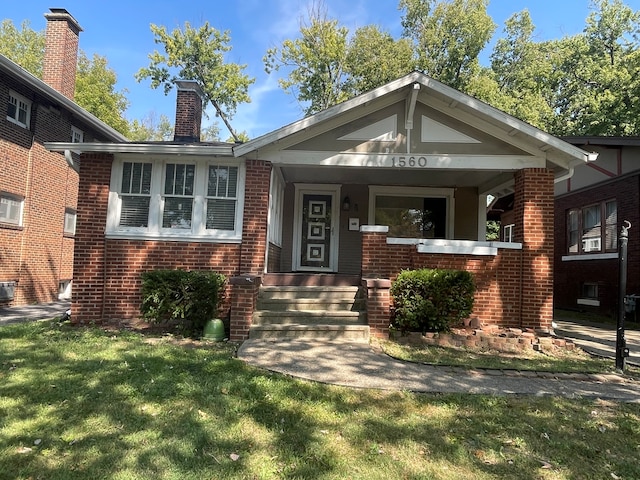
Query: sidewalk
[(44, 311)]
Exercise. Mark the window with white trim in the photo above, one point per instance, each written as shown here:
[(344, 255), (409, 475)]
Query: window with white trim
[(69, 221), (169, 199), (507, 232), (19, 109), (11, 207), (412, 212), (77, 135), (592, 229)]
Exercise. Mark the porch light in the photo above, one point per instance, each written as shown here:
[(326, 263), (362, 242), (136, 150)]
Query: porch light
[(346, 204)]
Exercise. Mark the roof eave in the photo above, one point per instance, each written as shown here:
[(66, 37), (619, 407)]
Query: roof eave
[(142, 148)]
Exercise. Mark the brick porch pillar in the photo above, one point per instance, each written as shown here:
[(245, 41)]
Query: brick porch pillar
[(374, 251), (378, 301), (256, 210), (244, 296), (533, 208)]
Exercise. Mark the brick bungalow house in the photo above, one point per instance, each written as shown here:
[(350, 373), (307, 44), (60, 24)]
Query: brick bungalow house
[(39, 188), (395, 178), (590, 209)]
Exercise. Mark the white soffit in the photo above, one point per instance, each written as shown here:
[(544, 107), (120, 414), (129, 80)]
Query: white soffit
[(385, 130), (436, 132)]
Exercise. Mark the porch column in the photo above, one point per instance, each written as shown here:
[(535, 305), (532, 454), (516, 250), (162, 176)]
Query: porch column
[(374, 251), (244, 296), (89, 261), (533, 209), (378, 301), (256, 210)]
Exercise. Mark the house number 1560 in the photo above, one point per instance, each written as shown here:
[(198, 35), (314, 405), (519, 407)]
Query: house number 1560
[(408, 162)]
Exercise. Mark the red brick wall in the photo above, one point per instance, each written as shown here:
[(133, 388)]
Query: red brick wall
[(571, 275), (107, 285), (256, 209), (36, 255)]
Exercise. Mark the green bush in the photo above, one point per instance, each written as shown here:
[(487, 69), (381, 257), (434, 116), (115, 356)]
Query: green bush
[(431, 300), (188, 299)]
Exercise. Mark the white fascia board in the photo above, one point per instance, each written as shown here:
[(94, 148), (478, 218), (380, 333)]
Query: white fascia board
[(386, 160), (141, 148)]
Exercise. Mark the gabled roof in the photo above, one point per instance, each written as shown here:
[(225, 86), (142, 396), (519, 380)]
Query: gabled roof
[(14, 70), (498, 123)]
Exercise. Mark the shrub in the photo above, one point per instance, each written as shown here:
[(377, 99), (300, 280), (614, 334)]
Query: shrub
[(431, 299), (186, 298)]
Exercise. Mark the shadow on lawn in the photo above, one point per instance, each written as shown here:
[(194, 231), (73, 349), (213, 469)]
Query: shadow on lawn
[(110, 405)]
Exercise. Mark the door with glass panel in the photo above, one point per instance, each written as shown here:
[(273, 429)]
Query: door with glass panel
[(316, 232)]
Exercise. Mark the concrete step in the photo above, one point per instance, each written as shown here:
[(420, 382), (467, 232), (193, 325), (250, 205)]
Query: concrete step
[(309, 317), (332, 305), (347, 333), (315, 293)]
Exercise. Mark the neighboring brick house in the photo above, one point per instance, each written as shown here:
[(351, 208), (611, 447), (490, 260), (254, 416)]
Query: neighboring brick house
[(590, 209), (39, 188), (395, 178)]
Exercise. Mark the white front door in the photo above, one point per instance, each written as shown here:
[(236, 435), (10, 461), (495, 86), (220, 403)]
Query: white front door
[(316, 228)]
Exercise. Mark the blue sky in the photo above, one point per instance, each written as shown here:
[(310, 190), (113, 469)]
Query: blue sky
[(119, 30)]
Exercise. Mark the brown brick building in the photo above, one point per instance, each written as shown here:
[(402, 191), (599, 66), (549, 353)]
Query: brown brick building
[(39, 188), (395, 178)]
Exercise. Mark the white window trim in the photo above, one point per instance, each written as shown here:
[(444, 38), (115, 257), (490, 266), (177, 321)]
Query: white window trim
[(28, 104), (447, 193), (154, 230), (276, 205), (509, 227), (70, 213), (18, 199)]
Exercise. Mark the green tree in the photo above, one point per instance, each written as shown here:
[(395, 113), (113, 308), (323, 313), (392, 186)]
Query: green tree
[(95, 81), (96, 92), (23, 46), (448, 36), (151, 128), (374, 58), (315, 62), (199, 54)]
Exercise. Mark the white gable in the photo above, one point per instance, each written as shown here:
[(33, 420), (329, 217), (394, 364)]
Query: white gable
[(436, 132), (382, 130)]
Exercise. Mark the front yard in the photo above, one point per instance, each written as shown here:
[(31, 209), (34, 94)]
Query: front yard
[(80, 403)]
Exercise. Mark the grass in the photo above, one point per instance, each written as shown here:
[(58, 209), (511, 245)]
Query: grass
[(575, 361), (79, 403)]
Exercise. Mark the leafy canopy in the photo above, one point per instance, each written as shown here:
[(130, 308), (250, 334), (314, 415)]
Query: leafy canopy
[(199, 54)]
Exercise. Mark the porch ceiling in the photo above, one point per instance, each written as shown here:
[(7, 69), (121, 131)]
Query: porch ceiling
[(382, 176)]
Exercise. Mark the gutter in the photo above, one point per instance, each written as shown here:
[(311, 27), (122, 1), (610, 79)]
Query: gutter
[(589, 157)]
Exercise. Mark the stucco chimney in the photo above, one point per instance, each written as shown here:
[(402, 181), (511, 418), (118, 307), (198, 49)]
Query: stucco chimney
[(188, 111), (61, 51)]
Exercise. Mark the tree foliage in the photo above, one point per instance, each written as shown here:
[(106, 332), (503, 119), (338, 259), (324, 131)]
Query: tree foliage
[(23, 46), (316, 62), (199, 54)]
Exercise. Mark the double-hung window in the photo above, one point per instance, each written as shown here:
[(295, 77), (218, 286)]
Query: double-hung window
[(592, 229), (135, 195), (19, 109), (156, 198)]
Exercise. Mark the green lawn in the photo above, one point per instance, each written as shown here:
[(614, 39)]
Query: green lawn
[(80, 403)]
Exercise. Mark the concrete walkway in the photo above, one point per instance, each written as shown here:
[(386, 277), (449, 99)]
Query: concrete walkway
[(360, 365)]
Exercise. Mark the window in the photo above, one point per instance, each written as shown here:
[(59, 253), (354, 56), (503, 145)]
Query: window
[(183, 200), (507, 235), (77, 135), (19, 109), (592, 229), (412, 212), (69, 221), (11, 209)]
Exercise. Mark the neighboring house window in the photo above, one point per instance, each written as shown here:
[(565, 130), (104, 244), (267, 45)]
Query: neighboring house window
[(135, 194), (69, 221), (589, 295), (412, 212), (77, 135), (11, 207), (19, 109), (592, 229), (508, 232), (169, 199)]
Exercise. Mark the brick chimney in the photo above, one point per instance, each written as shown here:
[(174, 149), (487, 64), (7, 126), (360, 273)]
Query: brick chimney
[(188, 111), (61, 51)]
